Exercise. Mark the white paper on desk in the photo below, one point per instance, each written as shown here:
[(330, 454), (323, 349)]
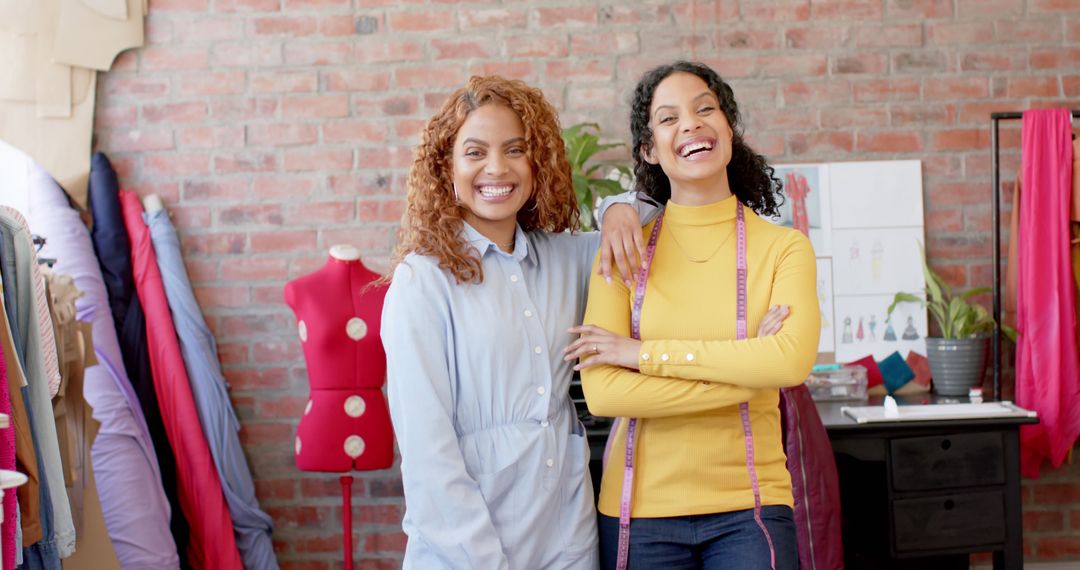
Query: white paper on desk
[(883, 194), (863, 326), (965, 411)]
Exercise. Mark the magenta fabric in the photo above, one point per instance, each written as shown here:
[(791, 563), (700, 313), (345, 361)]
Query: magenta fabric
[(213, 543), (1046, 369), (7, 461), (815, 483)]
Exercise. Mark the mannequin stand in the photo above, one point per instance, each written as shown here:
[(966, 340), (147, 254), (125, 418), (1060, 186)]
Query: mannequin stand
[(346, 518)]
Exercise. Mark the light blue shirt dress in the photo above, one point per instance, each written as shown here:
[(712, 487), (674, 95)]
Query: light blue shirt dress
[(494, 459)]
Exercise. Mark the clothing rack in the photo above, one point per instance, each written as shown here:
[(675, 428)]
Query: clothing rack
[(995, 226)]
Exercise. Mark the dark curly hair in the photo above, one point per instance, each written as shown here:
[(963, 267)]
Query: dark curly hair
[(432, 222), (750, 176)]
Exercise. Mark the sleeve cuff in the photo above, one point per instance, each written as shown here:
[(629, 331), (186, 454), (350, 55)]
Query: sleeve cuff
[(653, 357)]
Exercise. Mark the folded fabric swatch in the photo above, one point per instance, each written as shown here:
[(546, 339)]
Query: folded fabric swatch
[(920, 366), (873, 373), (895, 372)]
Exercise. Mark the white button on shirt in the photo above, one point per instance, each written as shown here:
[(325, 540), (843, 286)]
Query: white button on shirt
[(538, 350), (690, 356), (664, 357), (528, 313), (550, 462), (645, 356), (541, 390), (513, 278)]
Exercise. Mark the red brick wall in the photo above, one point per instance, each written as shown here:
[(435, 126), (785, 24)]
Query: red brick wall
[(275, 128)]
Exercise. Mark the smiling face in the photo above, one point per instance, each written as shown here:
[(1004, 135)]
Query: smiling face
[(691, 139), (492, 172)]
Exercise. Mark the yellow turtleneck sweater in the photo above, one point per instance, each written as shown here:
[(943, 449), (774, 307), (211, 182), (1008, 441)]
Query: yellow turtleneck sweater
[(693, 373)]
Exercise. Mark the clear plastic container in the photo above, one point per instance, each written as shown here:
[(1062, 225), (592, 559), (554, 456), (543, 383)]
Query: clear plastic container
[(845, 383)]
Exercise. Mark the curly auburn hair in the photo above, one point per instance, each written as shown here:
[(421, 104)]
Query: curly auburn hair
[(750, 175), (433, 218)]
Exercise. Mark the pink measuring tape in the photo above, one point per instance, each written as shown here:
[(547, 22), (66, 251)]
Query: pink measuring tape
[(744, 408)]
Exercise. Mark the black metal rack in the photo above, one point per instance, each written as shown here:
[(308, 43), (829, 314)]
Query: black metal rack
[(995, 223)]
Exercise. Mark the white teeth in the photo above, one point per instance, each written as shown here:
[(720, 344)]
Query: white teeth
[(686, 150), (495, 191)]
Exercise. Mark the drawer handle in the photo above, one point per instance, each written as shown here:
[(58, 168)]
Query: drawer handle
[(949, 504), (946, 444)]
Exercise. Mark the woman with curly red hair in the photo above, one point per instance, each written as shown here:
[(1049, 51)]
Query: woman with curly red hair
[(486, 283)]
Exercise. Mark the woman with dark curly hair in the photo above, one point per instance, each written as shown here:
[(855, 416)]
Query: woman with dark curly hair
[(707, 485), (486, 283)]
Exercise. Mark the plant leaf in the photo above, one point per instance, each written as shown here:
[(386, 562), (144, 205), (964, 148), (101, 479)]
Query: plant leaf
[(938, 311), (905, 298), (933, 285), (974, 292), (586, 217), (603, 188), (958, 315)]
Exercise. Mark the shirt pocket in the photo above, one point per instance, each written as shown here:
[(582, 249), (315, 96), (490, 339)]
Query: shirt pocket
[(501, 490), (580, 542)]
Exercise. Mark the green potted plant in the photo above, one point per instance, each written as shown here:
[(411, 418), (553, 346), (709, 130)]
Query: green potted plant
[(582, 143), (958, 357)]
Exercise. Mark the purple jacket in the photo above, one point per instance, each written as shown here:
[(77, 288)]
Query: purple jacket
[(814, 482)]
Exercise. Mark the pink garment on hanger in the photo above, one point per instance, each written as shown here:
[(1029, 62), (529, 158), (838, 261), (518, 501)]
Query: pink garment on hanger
[(1046, 368), (213, 544)]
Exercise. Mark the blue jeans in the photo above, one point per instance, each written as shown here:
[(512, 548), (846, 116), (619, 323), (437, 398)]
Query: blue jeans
[(725, 540)]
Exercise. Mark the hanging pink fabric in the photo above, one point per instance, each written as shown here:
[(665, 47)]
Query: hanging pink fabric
[(1046, 369), (213, 544)]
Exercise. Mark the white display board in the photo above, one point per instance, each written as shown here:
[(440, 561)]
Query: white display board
[(883, 194), (865, 221)]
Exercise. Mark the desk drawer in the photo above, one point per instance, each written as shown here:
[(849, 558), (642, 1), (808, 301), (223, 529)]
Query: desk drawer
[(950, 460), (949, 521)]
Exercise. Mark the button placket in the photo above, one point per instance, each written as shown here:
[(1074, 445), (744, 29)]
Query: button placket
[(533, 324)]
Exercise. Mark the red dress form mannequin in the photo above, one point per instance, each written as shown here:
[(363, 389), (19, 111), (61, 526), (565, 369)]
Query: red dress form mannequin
[(346, 423)]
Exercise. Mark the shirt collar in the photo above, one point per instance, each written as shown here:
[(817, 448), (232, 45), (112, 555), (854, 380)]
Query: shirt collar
[(485, 245)]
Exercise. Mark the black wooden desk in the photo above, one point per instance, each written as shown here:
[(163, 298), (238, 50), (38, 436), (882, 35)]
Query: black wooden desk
[(927, 494)]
